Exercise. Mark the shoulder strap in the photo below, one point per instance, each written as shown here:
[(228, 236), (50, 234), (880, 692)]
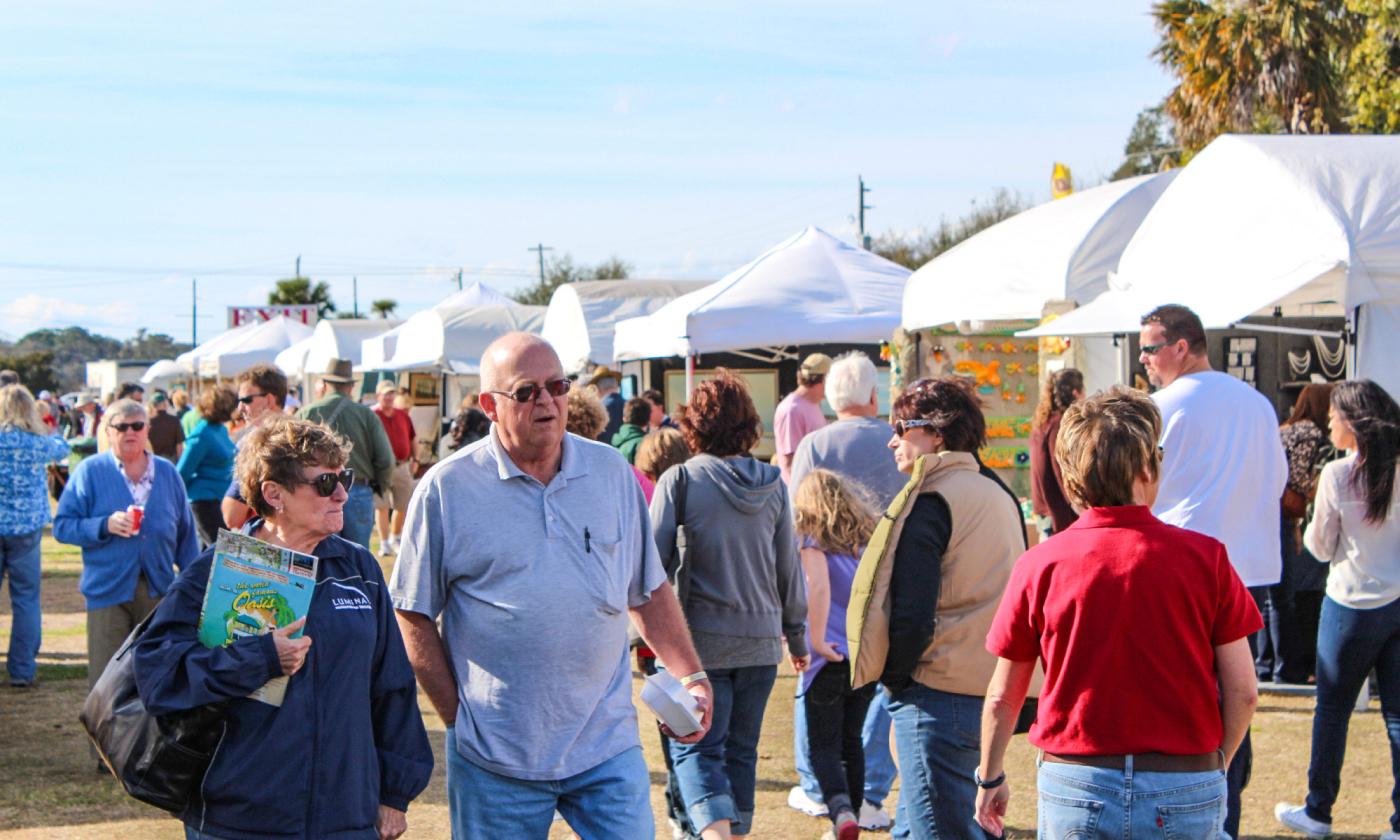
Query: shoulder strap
[(682, 481), (329, 419), (682, 551)]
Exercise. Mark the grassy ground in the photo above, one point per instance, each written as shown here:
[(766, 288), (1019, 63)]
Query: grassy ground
[(49, 787)]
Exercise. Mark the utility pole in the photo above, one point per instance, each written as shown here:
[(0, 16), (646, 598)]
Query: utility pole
[(355, 294), (459, 279), (540, 249), (860, 202), (298, 271), (194, 311)]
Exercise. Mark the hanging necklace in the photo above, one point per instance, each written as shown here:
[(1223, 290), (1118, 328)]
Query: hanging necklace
[(1299, 361), (1332, 361)]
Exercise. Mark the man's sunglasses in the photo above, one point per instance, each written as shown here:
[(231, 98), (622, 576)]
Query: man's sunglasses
[(902, 426), (531, 392), (325, 483), (1151, 349), (249, 399), (133, 426)]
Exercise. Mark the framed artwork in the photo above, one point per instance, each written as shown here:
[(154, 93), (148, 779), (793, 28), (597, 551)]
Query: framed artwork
[(424, 388)]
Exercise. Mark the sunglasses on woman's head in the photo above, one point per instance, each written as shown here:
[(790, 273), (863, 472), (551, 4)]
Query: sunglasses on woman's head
[(531, 392), (325, 482), (902, 426), (133, 426)]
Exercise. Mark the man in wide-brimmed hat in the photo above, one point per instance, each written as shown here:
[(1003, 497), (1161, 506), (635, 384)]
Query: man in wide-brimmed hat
[(371, 456), (608, 383)]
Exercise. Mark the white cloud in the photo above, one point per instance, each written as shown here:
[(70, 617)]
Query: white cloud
[(622, 105), (32, 311)]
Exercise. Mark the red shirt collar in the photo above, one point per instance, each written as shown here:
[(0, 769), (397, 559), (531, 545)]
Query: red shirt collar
[(1117, 516)]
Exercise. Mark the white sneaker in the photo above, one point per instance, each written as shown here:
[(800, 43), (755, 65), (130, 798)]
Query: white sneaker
[(872, 818), (386, 547), (1296, 818), (1389, 835), (798, 800)]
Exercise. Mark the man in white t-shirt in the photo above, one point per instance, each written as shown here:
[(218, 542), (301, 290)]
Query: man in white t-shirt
[(1223, 466)]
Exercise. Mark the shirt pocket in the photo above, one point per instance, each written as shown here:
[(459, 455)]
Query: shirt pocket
[(608, 572)]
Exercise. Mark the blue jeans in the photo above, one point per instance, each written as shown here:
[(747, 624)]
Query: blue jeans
[(716, 776), (19, 561), (359, 515), (875, 738), (611, 800), (938, 735), (1349, 644), (1087, 802)]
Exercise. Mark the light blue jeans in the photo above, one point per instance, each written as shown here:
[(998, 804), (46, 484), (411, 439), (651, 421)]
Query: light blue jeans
[(359, 515), (609, 801), (19, 561), (939, 736), (1088, 802), (880, 771)]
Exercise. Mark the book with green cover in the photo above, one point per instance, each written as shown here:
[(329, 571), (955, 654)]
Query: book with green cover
[(254, 588)]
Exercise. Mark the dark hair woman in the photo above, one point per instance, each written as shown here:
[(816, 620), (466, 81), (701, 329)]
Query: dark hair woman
[(925, 593), (1355, 529), (1287, 651), (742, 595), (1053, 512), (346, 751), (206, 465)]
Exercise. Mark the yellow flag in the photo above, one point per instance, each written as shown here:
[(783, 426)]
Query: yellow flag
[(1061, 184)]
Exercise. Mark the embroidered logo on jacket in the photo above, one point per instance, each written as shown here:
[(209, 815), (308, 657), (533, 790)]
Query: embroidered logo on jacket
[(349, 598)]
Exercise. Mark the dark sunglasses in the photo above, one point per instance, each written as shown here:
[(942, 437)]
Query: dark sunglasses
[(249, 399), (1151, 349), (902, 426), (325, 482), (531, 392), (133, 426)]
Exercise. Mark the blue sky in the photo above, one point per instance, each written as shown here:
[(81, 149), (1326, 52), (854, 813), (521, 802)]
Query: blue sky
[(146, 143)]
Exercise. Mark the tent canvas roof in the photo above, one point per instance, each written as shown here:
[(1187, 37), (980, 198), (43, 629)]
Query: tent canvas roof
[(811, 288), (454, 339), (229, 355), (1061, 250), (342, 338), (376, 350), (581, 316)]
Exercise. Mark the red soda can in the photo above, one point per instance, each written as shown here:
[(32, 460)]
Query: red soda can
[(134, 513)]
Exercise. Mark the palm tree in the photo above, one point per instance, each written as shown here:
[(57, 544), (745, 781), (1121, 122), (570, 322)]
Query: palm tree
[(1254, 65), (292, 290), (384, 307)]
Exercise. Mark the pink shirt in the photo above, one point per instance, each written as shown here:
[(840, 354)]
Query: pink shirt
[(794, 420)]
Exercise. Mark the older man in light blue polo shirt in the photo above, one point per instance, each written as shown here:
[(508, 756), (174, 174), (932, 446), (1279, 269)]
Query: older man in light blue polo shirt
[(534, 546)]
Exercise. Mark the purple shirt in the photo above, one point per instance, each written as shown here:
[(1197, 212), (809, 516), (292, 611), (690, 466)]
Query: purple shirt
[(794, 419), (841, 571)]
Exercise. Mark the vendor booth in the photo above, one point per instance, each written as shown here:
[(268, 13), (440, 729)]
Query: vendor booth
[(376, 350), (230, 353), (581, 316), (1288, 247)]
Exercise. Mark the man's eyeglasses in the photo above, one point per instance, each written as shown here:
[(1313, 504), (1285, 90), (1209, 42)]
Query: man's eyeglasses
[(531, 392), (1151, 349), (249, 399), (902, 426), (325, 483), (133, 426)]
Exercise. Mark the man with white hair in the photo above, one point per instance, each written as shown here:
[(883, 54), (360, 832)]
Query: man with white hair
[(855, 447), (534, 546)]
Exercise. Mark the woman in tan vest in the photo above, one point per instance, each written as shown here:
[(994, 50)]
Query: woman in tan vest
[(924, 597)]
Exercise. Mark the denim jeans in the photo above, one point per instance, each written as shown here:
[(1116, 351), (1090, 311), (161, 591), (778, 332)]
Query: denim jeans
[(1077, 801), (359, 515), (1349, 644), (716, 776), (19, 561), (611, 800), (938, 736), (835, 717), (880, 772)]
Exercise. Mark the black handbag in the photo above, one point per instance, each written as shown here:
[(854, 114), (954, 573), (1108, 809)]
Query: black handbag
[(159, 759)]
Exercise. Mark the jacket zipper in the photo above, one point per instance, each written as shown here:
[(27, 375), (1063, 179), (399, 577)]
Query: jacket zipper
[(315, 750)]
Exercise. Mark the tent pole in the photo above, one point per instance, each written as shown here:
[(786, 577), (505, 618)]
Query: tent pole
[(689, 375)]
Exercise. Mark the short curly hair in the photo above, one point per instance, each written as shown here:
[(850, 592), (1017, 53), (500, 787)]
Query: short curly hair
[(661, 450), (277, 449), (951, 406), (587, 417), (720, 418), (217, 404)]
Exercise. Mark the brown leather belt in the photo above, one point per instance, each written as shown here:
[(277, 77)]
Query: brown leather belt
[(1146, 762)]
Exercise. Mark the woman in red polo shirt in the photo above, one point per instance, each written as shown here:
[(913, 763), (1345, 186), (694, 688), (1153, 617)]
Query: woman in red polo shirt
[(1142, 628)]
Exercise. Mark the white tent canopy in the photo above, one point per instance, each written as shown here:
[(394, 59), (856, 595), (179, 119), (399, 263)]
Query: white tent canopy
[(581, 316), (376, 350), (1307, 225), (238, 349), (810, 289), (452, 340), (1061, 250), (292, 361), (342, 338), (164, 371)]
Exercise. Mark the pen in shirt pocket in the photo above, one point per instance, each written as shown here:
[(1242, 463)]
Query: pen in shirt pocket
[(587, 545)]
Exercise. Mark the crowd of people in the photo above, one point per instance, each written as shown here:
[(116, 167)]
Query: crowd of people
[(1186, 548)]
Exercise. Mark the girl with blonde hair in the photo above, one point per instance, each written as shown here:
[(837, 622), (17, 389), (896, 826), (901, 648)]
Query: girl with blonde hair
[(834, 519)]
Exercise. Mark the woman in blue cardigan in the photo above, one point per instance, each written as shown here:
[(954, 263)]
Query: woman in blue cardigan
[(127, 564), (207, 462)]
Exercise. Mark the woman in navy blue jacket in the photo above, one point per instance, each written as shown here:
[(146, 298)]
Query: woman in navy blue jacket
[(346, 752)]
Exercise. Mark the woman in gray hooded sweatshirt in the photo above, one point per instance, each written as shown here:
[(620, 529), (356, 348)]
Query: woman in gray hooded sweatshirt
[(742, 591)]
